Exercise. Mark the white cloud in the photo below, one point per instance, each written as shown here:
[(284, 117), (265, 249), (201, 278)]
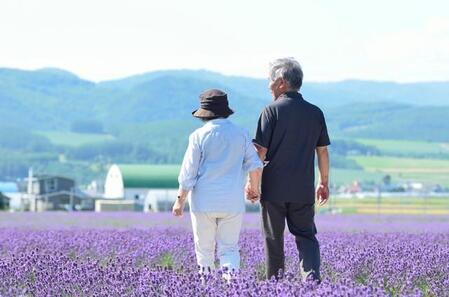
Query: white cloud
[(411, 55)]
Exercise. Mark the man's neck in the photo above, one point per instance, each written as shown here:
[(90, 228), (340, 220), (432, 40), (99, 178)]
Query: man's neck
[(285, 92)]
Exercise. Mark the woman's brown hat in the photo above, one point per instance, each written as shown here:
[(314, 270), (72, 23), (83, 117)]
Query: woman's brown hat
[(213, 103)]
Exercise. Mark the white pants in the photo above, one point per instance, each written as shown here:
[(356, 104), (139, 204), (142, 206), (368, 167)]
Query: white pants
[(220, 228)]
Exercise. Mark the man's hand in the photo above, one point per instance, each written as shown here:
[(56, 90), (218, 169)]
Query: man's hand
[(322, 193), (251, 194), (322, 190), (178, 207)]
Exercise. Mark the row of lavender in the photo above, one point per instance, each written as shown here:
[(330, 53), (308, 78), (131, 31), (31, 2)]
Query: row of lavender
[(159, 260)]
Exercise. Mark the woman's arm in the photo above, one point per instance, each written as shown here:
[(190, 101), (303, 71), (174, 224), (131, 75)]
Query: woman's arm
[(188, 174)]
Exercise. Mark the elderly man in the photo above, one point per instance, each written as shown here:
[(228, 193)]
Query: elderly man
[(289, 132)]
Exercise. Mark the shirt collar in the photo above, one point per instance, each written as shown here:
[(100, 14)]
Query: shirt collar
[(217, 122), (292, 94)]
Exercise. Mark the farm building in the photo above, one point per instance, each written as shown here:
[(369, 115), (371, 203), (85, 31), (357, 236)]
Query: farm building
[(139, 187), (8, 190), (48, 192), (4, 201)]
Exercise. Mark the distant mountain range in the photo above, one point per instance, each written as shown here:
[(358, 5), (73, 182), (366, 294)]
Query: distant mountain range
[(53, 99)]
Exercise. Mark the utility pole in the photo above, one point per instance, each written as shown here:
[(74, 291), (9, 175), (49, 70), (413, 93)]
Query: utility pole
[(71, 199), (31, 197)]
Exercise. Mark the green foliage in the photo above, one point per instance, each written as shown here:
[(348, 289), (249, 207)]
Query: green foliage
[(72, 139), (351, 147), (14, 163), (16, 138), (396, 164), (115, 151), (82, 172), (166, 260), (147, 119), (433, 171), (52, 99), (339, 176), (389, 121), (87, 126), (406, 148), (339, 161)]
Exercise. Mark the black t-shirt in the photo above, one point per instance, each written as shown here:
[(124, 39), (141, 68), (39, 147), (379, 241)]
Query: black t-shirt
[(291, 129)]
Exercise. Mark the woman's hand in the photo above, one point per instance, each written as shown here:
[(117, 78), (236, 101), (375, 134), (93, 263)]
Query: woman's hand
[(251, 194), (178, 207)]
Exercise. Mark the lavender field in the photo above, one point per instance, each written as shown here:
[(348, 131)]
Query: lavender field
[(136, 254)]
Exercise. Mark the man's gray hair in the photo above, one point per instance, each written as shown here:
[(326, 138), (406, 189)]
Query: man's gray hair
[(288, 69)]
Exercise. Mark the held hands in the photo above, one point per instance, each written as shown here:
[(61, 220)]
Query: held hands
[(252, 188), (252, 194), (322, 193)]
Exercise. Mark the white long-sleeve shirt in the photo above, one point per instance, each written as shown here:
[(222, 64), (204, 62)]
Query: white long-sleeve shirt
[(215, 165)]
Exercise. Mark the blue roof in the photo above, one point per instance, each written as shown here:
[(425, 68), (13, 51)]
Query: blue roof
[(8, 187)]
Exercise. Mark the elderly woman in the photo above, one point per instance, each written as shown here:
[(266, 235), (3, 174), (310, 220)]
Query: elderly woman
[(216, 164)]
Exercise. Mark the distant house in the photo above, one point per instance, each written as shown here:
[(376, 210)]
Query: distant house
[(7, 192), (47, 192), (4, 201)]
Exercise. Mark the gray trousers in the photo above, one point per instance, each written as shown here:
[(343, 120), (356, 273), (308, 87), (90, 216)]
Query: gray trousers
[(300, 222)]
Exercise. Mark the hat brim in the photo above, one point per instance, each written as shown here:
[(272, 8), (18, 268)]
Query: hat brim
[(204, 113)]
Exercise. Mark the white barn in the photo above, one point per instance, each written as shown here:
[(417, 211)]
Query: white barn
[(133, 187)]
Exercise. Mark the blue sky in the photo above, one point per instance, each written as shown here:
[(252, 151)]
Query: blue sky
[(334, 40)]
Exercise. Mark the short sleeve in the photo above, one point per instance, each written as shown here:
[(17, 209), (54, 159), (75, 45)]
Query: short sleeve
[(251, 161), (265, 127), (323, 140)]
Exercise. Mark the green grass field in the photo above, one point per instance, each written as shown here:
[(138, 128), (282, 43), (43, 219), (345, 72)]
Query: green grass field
[(431, 171), (396, 164), (74, 139), (388, 205), (406, 147), (345, 176), (402, 169)]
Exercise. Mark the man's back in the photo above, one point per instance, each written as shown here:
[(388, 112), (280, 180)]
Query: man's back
[(291, 129)]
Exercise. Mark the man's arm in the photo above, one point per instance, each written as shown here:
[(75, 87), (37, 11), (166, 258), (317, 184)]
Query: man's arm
[(261, 143), (261, 151), (322, 191), (264, 133), (252, 188)]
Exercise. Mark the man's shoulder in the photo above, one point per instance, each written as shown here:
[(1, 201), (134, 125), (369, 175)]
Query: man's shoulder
[(271, 108), (286, 104), (275, 104), (312, 107)]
